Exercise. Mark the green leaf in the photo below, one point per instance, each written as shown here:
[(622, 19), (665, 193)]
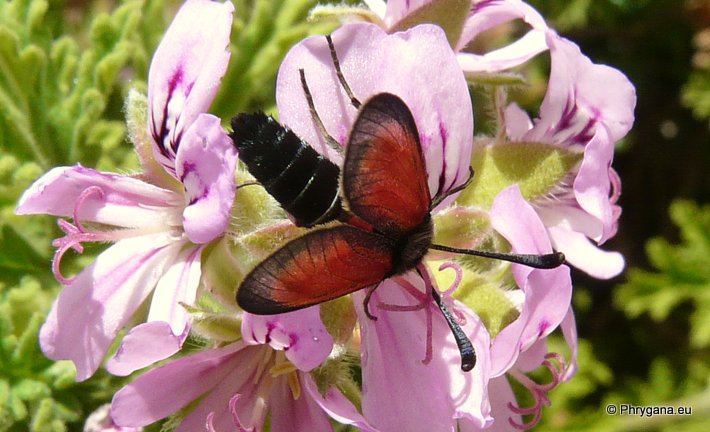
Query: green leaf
[(682, 274)]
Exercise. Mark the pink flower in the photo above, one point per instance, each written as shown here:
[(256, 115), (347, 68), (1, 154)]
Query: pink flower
[(100, 421), (544, 304), (587, 108), (159, 226), (405, 390), (417, 65), (483, 15), (412, 378), (242, 383)]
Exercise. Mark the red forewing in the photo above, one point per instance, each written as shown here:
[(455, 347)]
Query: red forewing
[(319, 266), (384, 175)]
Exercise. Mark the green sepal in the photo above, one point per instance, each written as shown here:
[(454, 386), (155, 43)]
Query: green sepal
[(340, 319), (536, 167), (329, 11), (450, 15), (462, 227), (222, 272), (219, 327), (495, 79), (484, 293)]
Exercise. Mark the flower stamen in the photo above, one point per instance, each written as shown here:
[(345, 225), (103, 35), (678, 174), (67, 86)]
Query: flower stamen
[(538, 391)]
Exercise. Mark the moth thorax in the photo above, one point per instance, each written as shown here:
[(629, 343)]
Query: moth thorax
[(410, 250)]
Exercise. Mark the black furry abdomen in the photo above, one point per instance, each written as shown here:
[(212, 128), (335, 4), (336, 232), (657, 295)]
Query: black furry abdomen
[(302, 180)]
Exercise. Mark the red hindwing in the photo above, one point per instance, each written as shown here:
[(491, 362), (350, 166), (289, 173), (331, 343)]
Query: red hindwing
[(384, 175), (322, 265)]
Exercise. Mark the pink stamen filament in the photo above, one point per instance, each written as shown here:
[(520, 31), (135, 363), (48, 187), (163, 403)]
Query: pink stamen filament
[(76, 234), (425, 299), (538, 391)]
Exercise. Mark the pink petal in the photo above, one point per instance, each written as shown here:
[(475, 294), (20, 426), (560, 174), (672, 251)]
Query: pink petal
[(592, 187), (501, 394), (336, 405), (602, 93), (88, 314), (580, 95), (297, 415), (100, 421), (205, 164), (244, 380), (163, 391), (167, 324), (517, 122), (548, 293), (532, 357), (586, 256), (300, 334), (508, 57), (402, 393), (569, 331), (177, 287), (144, 345), (488, 14), (186, 71), (123, 201), (518, 222), (374, 62)]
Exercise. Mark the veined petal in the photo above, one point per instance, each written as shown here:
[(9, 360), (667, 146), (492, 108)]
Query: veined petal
[(575, 101), (167, 325), (300, 334), (575, 80), (186, 72), (297, 415), (441, 392), (123, 201), (336, 405), (88, 314), (162, 391), (548, 293), (374, 62), (205, 164), (246, 383)]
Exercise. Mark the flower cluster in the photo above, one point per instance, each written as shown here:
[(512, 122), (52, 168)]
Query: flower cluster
[(540, 185)]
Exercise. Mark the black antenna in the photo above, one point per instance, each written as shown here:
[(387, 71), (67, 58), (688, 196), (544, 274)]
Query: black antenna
[(548, 261), (336, 63), (332, 142), (468, 354)]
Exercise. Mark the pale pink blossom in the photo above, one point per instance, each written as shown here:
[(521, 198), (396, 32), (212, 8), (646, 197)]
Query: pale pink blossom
[(239, 385), (158, 227)]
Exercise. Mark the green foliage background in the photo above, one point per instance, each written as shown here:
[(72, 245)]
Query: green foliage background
[(66, 67)]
